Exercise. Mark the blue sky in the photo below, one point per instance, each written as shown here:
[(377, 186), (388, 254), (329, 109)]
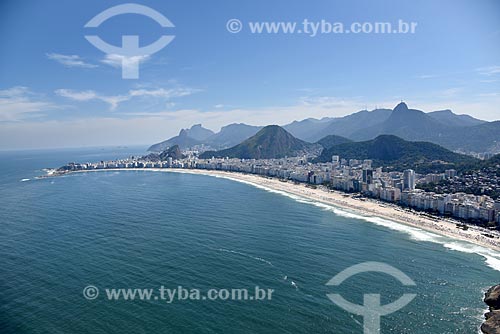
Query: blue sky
[(58, 90)]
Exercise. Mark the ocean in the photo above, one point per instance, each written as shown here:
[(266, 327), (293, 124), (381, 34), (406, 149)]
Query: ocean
[(144, 230)]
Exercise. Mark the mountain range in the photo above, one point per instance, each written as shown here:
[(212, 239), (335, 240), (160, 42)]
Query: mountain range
[(389, 151), (270, 142), (455, 132), (228, 136)]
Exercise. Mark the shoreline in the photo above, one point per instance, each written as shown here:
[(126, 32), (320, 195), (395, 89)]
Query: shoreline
[(365, 208)]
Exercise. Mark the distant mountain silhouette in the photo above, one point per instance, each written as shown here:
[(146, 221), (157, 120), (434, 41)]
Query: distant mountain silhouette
[(182, 140), (199, 133), (186, 138), (347, 125), (443, 127), (484, 137), (228, 136), (306, 128), (410, 124), (448, 118), (231, 135), (270, 142)]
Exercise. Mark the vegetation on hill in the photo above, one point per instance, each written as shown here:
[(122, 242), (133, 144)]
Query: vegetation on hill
[(332, 140), (271, 142), (398, 154), (173, 152)]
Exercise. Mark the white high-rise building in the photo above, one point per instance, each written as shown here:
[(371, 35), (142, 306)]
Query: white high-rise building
[(409, 179), (450, 173)]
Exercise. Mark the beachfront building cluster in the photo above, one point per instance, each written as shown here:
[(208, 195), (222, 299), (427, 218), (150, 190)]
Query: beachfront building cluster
[(352, 176), (118, 164), (358, 176), (460, 205)]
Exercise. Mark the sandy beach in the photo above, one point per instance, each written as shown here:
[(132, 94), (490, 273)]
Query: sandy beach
[(367, 208)]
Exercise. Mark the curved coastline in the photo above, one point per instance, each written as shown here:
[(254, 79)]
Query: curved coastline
[(419, 227)]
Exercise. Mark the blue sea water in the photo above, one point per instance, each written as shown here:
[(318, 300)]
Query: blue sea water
[(139, 229)]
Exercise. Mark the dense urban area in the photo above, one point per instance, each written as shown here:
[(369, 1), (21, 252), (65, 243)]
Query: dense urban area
[(453, 196)]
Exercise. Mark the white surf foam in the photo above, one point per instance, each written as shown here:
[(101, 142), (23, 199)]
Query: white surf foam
[(24, 180), (492, 258)]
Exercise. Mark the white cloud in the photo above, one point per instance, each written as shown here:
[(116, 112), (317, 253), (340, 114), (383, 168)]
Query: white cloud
[(426, 76), (331, 102), (489, 94), (489, 70), (449, 92), (14, 92), (316, 107), (150, 127), (124, 62), (115, 100), (17, 103), (163, 93), (86, 95), (89, 95), (70, 60)]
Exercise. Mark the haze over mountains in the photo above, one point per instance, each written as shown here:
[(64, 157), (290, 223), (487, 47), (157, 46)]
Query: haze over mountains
[(228, 136), (389, 151), (454, 132)]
